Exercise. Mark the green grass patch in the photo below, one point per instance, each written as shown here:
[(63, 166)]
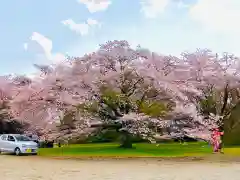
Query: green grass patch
[(139, 150)]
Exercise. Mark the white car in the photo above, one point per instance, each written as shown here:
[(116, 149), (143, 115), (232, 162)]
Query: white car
[(18, 144)]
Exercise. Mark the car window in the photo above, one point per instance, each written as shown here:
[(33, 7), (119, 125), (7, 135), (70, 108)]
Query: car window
[(22, 138), (35, 137), (4, 137), (11, 138)]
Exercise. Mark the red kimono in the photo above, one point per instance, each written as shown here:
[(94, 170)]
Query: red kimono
[(216, 139)]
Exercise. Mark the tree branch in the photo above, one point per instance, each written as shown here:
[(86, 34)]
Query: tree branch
[(225, 99)]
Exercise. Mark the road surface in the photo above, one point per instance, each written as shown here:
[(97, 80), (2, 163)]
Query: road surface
[(36, 168)]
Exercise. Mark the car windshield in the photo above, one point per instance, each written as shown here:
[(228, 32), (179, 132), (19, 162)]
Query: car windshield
[(22, 138)]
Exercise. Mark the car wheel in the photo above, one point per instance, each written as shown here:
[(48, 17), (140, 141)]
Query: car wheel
[(17, 152)]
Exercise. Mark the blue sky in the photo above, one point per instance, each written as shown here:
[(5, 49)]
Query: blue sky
[(44, 31)]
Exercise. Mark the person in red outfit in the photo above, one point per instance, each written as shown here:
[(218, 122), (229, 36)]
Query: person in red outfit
[(216, 140)]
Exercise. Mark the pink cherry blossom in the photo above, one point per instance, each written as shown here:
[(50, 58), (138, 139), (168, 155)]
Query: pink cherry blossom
[(59, 89)]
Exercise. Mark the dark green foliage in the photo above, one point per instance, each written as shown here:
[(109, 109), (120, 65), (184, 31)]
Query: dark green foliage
[(208, 105), (7, 124), (153, 108), (109, 135), (112, 105), (46, 144), (11, 127), (232, 127)]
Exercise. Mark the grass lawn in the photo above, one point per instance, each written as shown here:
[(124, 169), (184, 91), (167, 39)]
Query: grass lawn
[(163, 150), (139, 150)]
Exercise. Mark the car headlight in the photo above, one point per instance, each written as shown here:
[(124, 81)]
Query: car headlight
[(24, 145)]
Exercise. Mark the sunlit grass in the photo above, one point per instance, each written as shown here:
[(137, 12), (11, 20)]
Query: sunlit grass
[(139, 150), (235, 151)]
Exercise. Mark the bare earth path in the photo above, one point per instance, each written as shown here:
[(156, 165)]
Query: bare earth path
[(36, 168)]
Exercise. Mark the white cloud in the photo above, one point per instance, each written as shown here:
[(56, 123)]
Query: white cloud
[(217, 15), (152, 8), (46, 44), (182, 5), (92, 21), (81, 28), (95, 5), (58, 57), (25, 46)]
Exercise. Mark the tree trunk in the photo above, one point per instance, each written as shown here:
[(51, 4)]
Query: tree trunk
[(126, 140)]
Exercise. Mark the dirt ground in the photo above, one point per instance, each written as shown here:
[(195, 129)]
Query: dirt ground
[(37, 168)]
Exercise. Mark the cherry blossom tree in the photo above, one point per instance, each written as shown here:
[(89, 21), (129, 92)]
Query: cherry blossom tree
[(135, 91), (7, 92), (217, 78), (138, 77), (141, 76)]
